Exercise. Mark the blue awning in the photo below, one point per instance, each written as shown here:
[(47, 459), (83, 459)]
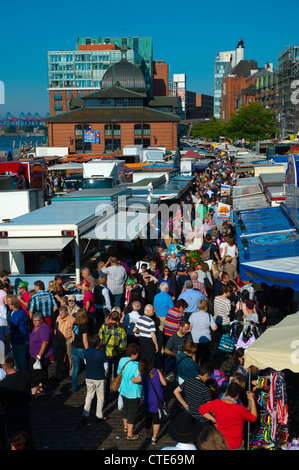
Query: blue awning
[(268, 245)]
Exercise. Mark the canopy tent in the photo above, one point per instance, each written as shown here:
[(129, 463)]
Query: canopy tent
[(191, 153), (66, 166), (123, 226), (277, 347), (268, 245)]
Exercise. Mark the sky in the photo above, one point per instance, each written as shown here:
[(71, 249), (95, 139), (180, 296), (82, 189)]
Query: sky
[(186, 35)]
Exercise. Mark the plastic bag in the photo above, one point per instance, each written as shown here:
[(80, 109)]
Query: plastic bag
[(37, 365)]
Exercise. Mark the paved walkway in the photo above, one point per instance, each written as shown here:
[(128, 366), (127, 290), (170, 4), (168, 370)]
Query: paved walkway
[(56, 422)]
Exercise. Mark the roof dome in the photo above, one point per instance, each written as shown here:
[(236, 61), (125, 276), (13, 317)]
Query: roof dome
[(240, 43), (125, 74)]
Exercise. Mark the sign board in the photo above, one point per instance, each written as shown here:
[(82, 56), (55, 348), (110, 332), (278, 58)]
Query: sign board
[(225, 190), (92, 136), (223, 211)]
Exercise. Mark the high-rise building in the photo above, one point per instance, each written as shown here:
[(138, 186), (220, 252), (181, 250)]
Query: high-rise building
[(78, 72), (224, 63)]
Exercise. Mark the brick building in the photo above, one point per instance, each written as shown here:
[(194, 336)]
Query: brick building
[(241, 77), (121, 113)]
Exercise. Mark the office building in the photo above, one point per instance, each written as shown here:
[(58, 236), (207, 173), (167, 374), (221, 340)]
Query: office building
[(79, 72)]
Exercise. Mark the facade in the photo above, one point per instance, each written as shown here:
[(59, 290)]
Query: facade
[(288, 73), (121, 113), (178, 87), (242, 76), (264, 91), (76, 73), (160, 78), (223, 62), (223, 65)]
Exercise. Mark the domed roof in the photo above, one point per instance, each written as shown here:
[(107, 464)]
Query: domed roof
[(240, 43), (125, 74)]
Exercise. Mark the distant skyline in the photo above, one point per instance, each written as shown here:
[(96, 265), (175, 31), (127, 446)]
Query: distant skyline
[(187, 36)]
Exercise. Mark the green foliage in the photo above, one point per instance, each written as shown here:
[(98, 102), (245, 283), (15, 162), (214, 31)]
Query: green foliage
[(10, 129), (212, 129), (252, 123)]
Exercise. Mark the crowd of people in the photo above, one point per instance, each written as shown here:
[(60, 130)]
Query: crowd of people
[(153, 315)]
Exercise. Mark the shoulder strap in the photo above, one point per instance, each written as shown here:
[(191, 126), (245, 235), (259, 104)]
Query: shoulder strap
[(185, 357), (125, 365)]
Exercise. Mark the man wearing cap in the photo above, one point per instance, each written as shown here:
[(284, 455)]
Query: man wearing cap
[(73, 307)]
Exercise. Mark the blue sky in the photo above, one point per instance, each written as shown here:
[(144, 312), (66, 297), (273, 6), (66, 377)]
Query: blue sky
[(186, 35)]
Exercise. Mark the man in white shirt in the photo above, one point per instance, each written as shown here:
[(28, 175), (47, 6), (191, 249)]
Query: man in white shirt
[(116, 278)]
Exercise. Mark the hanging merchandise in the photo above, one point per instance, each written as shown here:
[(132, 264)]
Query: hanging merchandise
[(277, 404)]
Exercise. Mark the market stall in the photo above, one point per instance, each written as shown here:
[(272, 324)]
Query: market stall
[(274, 352)]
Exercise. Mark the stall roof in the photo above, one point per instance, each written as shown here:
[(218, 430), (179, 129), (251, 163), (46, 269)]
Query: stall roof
[(250, 180), (62, 213), (243, 191), (274, 349), (34, 244), (275, 193), (274, 179), (256, 201), (121, 227), (262, 221), (268, 248)]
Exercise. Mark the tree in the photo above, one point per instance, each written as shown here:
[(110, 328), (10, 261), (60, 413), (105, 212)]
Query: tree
[(252, 122), (213, 129)]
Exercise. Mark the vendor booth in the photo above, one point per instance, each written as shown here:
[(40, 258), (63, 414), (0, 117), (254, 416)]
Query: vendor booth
[(268, 238), (273, 353)]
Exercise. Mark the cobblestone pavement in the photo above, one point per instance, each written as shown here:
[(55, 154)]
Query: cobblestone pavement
[(56, 421)]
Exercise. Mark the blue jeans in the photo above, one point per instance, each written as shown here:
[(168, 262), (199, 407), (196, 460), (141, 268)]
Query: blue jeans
[(78, 356), (19, 353), (118, 300)]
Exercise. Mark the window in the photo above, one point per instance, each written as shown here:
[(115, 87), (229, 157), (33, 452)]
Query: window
[(112, 145), (142, 129)]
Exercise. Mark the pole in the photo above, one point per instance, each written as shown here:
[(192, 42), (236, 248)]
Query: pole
[(77, 257), (248, 422)]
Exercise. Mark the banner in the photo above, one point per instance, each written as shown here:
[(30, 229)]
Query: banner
[(223, 211), (225, 190), (92, 136)]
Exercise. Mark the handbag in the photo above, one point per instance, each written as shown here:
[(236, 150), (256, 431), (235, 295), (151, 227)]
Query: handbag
[(227, 343), (115, 383), (206, 254), (163, 411)]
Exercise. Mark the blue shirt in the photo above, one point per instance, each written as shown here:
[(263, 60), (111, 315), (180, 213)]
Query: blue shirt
[(95, 360), (192, 297), (162, 303), (127, 388), (18, 327)]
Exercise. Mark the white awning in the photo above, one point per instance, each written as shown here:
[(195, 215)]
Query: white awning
[(123, 226), (34, 244)]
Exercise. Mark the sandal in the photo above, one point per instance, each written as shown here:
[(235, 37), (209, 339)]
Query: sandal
[(134, 437)]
